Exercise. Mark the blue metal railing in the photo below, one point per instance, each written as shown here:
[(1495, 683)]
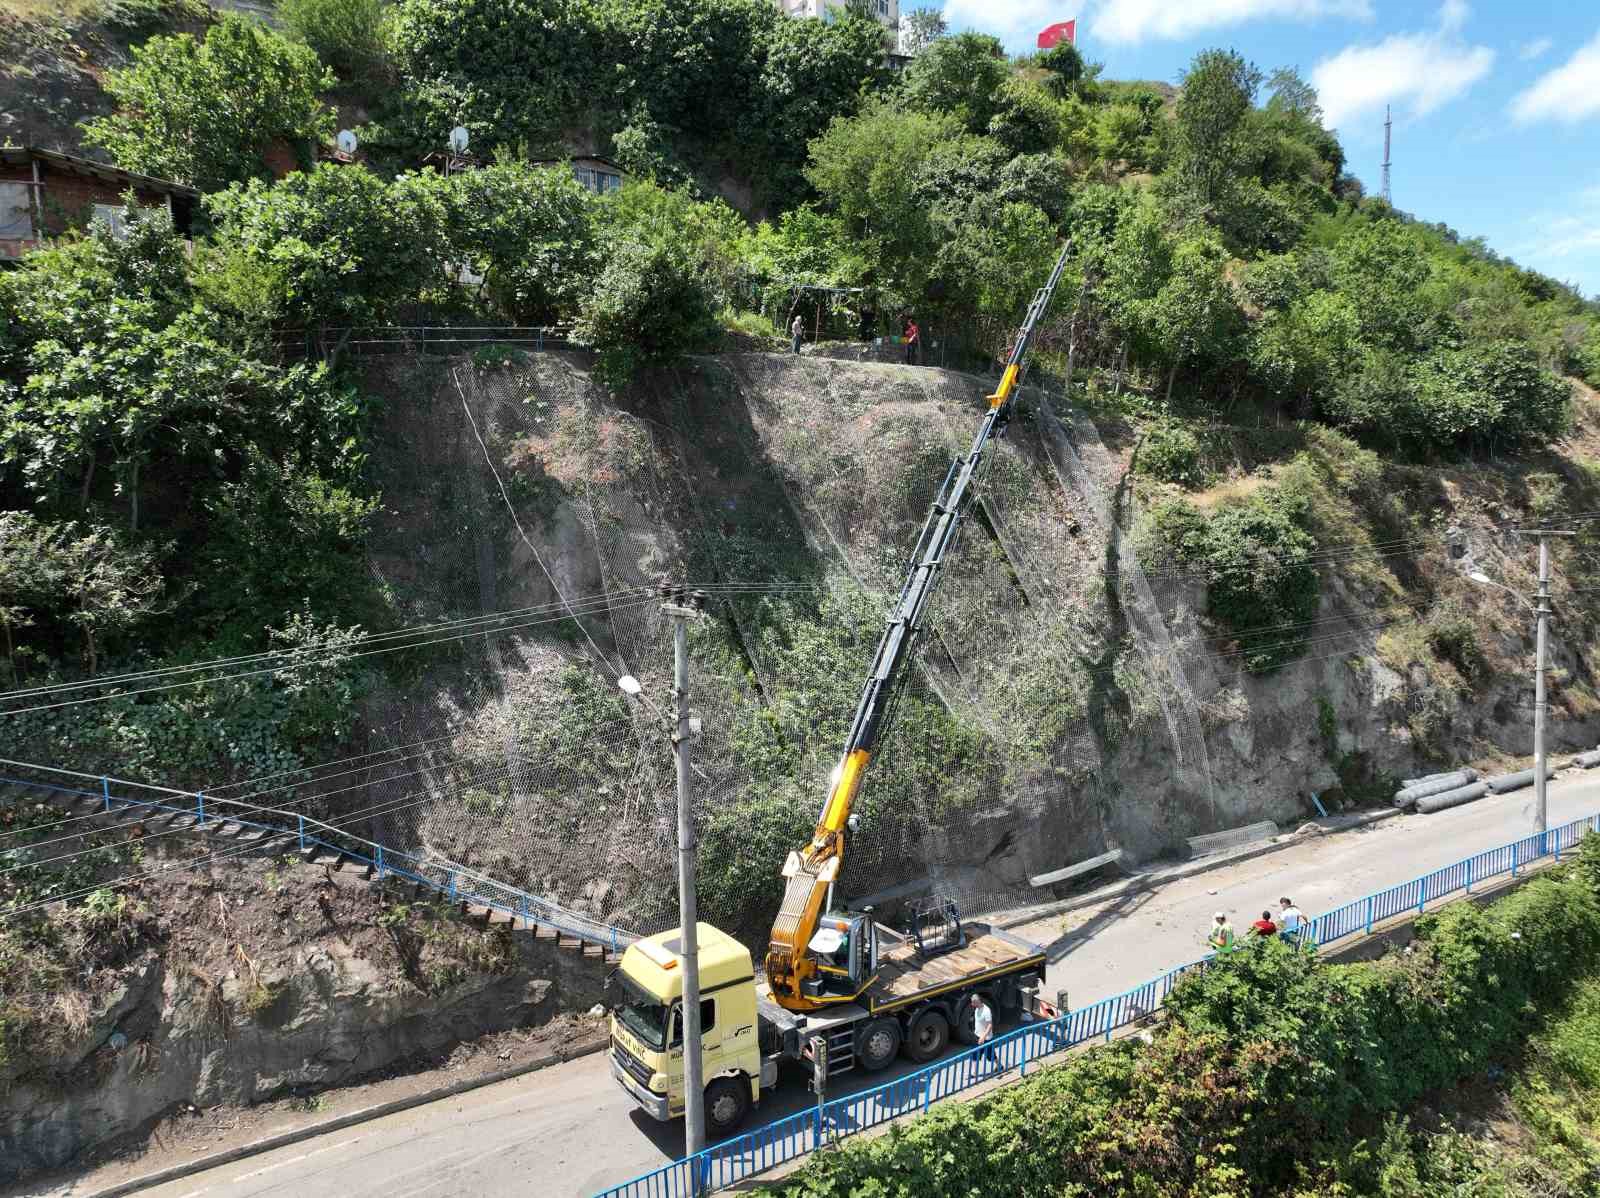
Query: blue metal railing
[(796, 1135), (455, 882)]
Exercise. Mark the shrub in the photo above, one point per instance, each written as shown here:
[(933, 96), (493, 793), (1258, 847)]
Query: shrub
[(648, 306), (1171, 453), (346, 34), (1270, 1069)]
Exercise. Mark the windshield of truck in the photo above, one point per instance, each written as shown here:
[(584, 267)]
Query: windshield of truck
[(644, 1015)]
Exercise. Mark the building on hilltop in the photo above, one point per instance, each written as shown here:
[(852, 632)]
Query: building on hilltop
[(44, 194), (887, 11)]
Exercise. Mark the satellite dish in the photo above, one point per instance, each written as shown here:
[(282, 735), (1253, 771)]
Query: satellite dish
[(346, 141), (458, 139)]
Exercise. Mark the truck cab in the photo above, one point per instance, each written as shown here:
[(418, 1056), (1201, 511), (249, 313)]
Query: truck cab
[(647, 1027)]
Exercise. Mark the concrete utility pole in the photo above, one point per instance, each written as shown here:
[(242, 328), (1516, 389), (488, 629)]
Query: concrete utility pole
[(1541, 704), (694, 1086)]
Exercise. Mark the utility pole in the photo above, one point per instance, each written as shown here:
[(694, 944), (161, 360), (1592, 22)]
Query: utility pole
[(1388, 126), (1540, 702), (1541, 666), (678, 606)]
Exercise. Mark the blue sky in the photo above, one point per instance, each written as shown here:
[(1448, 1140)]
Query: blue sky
[(1496, 103)]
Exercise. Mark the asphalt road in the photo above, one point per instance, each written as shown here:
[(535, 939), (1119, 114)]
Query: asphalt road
[(569, 1130)]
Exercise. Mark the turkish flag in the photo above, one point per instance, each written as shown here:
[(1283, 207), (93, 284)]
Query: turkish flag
[(1060, 31)]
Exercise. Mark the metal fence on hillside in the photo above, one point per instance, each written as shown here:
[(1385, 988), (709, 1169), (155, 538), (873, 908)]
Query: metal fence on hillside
[(454, 882), (792, 1137)]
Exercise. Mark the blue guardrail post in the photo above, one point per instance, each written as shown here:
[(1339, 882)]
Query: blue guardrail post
[(200, 809), (105, 791), (302, 833), (377, 859)]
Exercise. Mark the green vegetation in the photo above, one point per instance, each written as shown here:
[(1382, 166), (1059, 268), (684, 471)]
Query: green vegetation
[(1274, 1074), (206, 112)]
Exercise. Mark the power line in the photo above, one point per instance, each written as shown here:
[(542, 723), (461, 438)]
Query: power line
[(306, 663)]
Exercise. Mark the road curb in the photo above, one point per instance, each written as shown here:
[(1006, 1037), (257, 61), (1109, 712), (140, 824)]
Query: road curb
[(339, 1122), (1188, 869)]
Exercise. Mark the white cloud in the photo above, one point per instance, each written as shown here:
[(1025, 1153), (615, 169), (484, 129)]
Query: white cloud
[(1135, 20), (1417, 71), (1570, 93), (1537, 48)]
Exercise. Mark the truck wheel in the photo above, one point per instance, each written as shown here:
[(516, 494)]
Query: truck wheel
[(727, 1104), (963, 1029), (929, 1035), (877, 1043)]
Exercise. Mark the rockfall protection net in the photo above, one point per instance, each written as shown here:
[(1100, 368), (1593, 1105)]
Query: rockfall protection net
[(791, 490)]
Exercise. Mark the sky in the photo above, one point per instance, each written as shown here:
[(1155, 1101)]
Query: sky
[(1496, 102)]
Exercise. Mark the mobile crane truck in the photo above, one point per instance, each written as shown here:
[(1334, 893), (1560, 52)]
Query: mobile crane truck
[(840, 991)]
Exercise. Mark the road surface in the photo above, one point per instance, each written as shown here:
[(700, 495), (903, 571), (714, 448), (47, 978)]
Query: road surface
[(570, 1131)]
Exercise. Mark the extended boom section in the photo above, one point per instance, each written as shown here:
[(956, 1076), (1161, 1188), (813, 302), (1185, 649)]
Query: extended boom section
[(791, 967)]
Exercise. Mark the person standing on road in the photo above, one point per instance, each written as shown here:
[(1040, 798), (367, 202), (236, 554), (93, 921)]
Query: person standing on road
[(1290, 920), (1264, 928), (913, 342), (796, 331), (983, 1029), (1221, 937)]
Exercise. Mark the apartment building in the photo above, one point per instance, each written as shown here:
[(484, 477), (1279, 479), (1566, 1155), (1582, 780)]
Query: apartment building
[(887, 11)]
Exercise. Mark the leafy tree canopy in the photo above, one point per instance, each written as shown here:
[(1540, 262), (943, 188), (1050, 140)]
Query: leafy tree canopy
[(206, 112)]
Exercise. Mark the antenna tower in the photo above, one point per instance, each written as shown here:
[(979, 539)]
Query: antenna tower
[(1388, 125)]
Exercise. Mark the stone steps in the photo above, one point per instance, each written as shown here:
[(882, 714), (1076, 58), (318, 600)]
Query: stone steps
[(91, 812)]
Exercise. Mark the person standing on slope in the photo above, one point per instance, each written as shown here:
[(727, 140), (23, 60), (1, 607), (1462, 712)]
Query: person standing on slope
[(913, 342), (796, 331)]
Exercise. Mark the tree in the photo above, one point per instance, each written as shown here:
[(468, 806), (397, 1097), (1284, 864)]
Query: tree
[(960, 75), (1195, 315), (336, 245), (1213, 124), (870, 170), (528, 231), (814, 72), (920, 28), (205, 113), (475, 63), (1070, 74)]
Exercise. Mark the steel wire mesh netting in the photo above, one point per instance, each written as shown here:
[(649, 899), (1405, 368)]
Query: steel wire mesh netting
[(792, 490)]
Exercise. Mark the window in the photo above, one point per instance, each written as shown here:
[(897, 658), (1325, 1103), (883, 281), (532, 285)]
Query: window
[(708, 1020), (16, 211)]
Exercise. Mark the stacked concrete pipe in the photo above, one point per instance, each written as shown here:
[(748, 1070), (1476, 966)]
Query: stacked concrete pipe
[(1440, 800), (1505, 783), (1587, 761), (1435, 784)]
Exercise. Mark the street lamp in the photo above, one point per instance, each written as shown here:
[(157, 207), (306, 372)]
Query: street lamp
[(1542, 613)]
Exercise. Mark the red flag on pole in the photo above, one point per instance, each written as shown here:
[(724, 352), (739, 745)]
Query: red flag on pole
[(1060, 31)]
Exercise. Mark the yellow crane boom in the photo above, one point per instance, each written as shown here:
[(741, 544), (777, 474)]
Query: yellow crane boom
[(811, 869)]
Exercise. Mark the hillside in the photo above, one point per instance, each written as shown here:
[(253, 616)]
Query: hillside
[(353, 502)]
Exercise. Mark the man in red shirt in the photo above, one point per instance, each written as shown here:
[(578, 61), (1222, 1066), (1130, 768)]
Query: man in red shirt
[(913, 342), (1264, 926)]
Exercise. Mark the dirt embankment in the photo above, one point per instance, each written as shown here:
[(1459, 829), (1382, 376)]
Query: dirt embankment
[(246, 981)]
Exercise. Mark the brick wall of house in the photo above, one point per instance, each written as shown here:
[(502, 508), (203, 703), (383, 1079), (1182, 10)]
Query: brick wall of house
[(68, 200)]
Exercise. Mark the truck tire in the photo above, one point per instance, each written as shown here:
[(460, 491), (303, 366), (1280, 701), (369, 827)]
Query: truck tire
[(928, 1036), (727, 1104), (877, 1043), (963, 1026)]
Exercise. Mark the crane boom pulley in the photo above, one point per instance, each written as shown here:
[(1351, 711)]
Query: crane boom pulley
[(811, 870)]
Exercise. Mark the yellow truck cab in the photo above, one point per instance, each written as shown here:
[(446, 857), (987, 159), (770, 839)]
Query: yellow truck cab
[(647, 1027)]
